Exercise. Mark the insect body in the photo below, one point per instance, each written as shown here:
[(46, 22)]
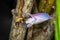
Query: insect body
[(37, 18)]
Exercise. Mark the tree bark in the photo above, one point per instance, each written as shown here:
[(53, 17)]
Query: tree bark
[(17, 32), (42, 31)]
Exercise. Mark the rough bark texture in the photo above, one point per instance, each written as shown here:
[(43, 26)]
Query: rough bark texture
[(17, 32), (27, 7), (30, 30), (43, 31)]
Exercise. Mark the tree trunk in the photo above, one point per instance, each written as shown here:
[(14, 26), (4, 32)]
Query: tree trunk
[(18, 32), (42, 31)]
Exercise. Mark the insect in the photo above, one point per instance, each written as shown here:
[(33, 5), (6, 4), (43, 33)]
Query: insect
[(37, 18)]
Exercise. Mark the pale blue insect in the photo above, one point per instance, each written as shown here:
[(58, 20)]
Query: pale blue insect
[(37, 18)]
